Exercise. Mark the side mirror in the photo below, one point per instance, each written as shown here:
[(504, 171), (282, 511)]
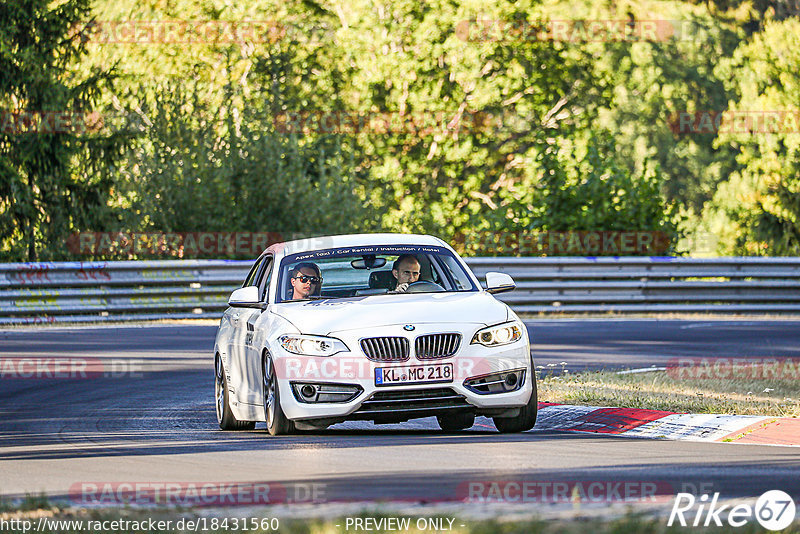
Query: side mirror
[(499, 283), (245, 297)]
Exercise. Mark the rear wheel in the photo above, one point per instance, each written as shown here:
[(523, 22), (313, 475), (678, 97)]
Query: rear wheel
[(225, 417), (526, 419), (277, 423), (456, 421)]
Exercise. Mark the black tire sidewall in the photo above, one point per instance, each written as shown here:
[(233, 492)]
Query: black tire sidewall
[(526, 419), (227, 421)]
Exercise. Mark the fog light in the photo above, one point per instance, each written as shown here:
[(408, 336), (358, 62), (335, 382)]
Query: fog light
[(312, 393), (502, 382)]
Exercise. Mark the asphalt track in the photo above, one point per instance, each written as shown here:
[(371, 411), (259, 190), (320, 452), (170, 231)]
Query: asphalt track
[(150, 418)]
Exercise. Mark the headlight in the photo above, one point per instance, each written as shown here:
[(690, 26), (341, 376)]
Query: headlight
[(502, 334), (312, 345)]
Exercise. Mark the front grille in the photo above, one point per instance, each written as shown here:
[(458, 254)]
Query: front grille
[(386, 349), (434, 346), (410, 402)]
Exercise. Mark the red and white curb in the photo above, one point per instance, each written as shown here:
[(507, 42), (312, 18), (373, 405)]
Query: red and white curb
[(752, 429)]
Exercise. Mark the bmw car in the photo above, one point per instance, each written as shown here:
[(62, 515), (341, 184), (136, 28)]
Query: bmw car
[(375, 327)]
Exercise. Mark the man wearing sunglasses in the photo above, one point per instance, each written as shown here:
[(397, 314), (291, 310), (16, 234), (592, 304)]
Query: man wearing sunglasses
[(306, 280)]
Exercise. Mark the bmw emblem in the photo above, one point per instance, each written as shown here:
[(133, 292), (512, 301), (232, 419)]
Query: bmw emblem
[(408, 327)]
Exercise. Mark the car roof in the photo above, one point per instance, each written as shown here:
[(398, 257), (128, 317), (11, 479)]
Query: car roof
[(352, 240)]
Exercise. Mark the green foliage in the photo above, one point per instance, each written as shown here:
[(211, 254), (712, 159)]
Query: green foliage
[(222, 169), (592, 191), (468, 175), (650, 83), (412, 62), (577, 191), (48, 182), (489, 132), (758, 208)]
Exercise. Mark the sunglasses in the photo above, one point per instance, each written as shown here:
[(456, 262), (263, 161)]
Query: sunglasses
[(306, 279)]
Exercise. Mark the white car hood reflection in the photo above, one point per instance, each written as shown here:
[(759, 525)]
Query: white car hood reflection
[(327, 316)]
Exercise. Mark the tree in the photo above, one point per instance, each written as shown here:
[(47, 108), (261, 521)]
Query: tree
[(493, 89), (204, 168), (757, 211), (579, 191), (53, 146), (211, 156), (467, 110)]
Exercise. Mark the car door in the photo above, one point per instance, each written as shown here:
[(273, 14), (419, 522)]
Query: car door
[(242, 333), (230, 324), (256, 328)]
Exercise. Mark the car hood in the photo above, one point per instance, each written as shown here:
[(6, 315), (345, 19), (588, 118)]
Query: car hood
[(325, 316)]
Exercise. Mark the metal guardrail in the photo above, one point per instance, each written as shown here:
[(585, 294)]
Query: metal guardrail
[(33, 293), (649, 284)]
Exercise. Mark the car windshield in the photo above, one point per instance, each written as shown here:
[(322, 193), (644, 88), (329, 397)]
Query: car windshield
[(368, 270)]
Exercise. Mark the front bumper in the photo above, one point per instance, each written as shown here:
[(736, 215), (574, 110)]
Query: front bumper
[(395, 403)]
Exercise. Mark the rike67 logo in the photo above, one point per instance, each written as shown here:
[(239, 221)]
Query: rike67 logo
[(774, 510)]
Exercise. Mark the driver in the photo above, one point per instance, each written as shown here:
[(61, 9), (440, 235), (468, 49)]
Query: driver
[(305, 280), (406, 271)]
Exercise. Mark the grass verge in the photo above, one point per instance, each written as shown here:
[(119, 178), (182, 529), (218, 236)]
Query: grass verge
[(759, 392)]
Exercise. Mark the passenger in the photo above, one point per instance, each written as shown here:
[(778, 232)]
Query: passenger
[(406, 271), (306, 280)]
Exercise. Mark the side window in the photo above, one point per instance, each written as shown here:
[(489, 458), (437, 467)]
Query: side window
[(454, 271), (264, 277), (251, 277), (436, 275)]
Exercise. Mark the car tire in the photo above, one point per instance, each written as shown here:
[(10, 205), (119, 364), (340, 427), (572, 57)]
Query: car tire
[(225, 417), (523, 422), (456, 421), (277, 423)]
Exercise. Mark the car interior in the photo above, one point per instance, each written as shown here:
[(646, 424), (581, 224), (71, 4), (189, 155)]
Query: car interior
[(346, 278)]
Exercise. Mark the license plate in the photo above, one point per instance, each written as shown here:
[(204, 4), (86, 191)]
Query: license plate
[(417, 374)]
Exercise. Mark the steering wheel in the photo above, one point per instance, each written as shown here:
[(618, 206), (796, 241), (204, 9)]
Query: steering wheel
[(424, 286)]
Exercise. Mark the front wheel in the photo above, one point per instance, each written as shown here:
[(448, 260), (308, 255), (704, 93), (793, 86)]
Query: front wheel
[(225, 417), (277, 423), (526, 419)]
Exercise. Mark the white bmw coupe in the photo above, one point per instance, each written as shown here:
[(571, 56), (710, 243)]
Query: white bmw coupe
[(375, 327)]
